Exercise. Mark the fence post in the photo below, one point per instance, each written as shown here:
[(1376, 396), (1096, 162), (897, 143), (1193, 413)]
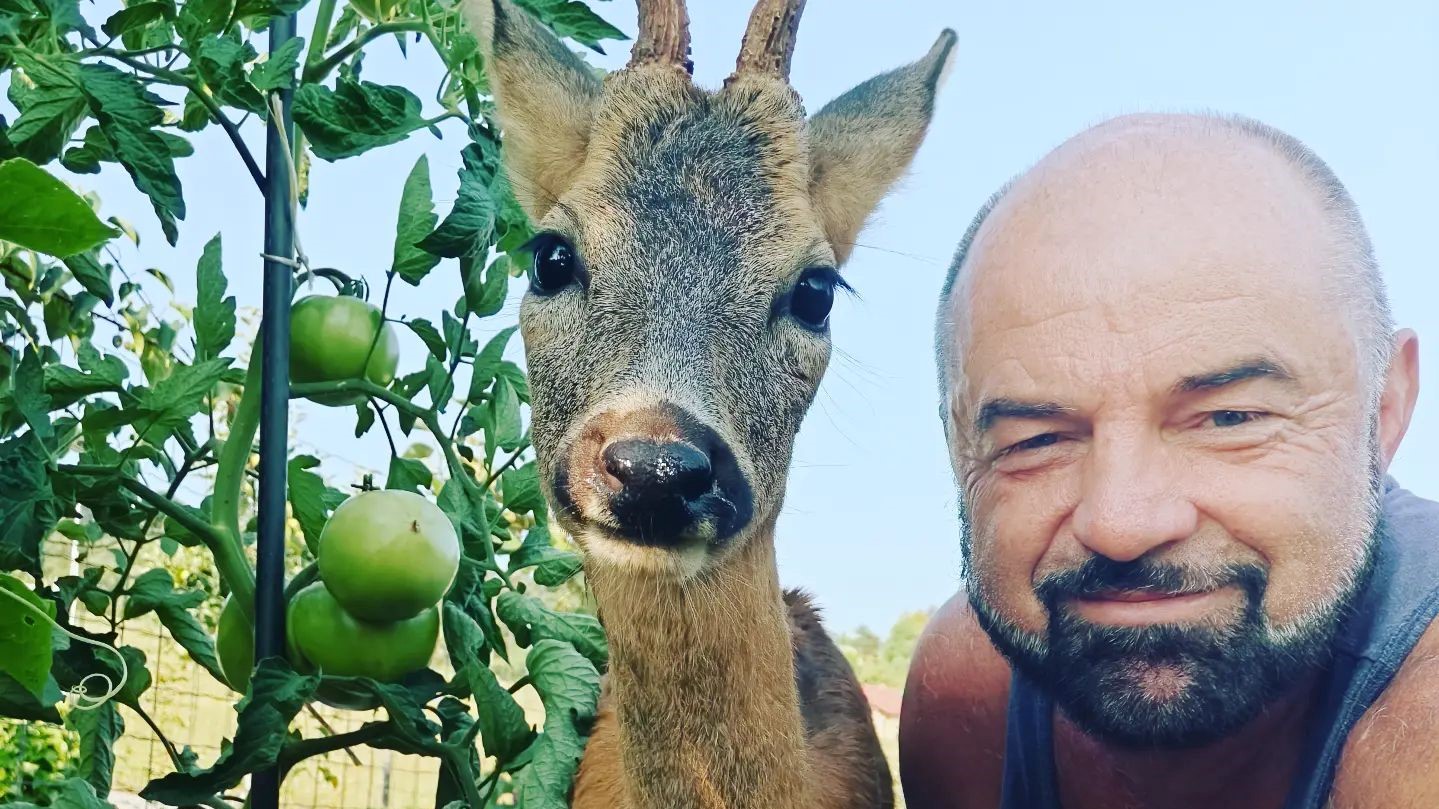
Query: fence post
[(274, 400)]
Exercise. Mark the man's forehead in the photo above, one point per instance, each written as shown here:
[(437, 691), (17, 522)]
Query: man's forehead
[(1149, 230)]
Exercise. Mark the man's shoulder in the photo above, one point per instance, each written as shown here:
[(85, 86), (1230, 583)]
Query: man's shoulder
[(1391, 757), (951, 734)]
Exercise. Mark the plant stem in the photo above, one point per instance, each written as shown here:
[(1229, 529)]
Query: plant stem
[(230, 478), (317, 72), (295, 752), (460, 764), (326, 726), (324, 18), (218, 115), (159, 734)]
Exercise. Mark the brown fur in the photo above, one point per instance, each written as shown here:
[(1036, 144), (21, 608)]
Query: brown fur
[(694, 213)]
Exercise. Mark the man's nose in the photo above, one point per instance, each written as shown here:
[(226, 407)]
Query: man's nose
[(1130, 501)]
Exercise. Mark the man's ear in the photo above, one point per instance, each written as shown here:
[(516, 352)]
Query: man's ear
[(863, 141), (545, 97)]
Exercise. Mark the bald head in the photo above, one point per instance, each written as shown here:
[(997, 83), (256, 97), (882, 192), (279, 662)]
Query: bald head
[(1181, 186)]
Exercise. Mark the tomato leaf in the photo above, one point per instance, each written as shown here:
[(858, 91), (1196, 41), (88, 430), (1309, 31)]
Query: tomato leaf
[(276, 695), (220, 61), (201, 18), (29, 509), (569, 687), (487, 362), (278, 71), (355, 117), (553, 566), (505, 408), (573, 19), (427, 332), (408, 474), (92, 275), (177, 397), (25, 652), (41, 213), (310, 499), (98, 729), (501, 719), (469, 228), (154, 590), (522, 489), (214, 313), (527, 616), (50, 111), (72, 793), (128, 115), (135, 16), (485, 295), (417, 218)]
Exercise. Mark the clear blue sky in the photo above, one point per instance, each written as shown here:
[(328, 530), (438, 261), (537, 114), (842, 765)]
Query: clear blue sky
[(869, 525)]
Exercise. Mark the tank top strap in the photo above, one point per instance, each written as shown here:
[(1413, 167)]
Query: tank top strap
[(1029, 780)]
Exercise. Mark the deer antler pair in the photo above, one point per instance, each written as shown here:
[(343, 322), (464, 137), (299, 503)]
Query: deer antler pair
[(768, 43)]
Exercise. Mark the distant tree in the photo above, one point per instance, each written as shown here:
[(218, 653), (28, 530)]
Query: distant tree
[(884, 662)]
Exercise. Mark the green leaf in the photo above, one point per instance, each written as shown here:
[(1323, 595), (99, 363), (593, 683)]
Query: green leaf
[(417, 218), (569, 687), (27, 396), (485, 297), (505, 407), (469, 229), (310, 499), (278, 72), (128, 115), (72, 793), (427, 332), (487, 362), (355, 117), (214, 313), (92, 275), (502, 721), (177, 397), (24, 635), (97, 374), (441, 383), (220, 61), (408, 474), (201, 18), (50, 111), (553, 566), (276, 695), (16, 701), (527, 616), (573, 19), (41, 213), (155, 591), (29, 510), (522, 489), (98, 728), (134, 17)]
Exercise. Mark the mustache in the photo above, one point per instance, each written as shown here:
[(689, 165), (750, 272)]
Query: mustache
[(1099, 574)]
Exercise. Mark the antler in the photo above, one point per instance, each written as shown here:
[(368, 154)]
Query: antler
[(768, 43), (664, 35)]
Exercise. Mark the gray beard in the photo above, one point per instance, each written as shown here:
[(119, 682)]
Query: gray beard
[(1219, 679)]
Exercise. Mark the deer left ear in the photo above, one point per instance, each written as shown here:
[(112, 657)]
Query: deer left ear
[(863, 141)]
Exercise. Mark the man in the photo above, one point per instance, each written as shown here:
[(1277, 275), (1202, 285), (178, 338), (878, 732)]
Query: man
[(1171, 392)]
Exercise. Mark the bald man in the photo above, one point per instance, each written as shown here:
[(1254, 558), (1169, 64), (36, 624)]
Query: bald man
[(1172, 392)]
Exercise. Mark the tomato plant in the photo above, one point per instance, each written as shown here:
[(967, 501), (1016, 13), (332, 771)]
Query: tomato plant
[(128, 413)]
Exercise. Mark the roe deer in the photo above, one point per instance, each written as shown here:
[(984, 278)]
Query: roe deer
[(676, 329)]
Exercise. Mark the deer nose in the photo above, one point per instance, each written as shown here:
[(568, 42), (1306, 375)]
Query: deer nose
[(657, 471)]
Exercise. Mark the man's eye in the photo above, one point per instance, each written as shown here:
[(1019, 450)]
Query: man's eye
[(1231, 418), (1037, 442)]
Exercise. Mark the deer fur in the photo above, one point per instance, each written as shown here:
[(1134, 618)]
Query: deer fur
[(693, 212)]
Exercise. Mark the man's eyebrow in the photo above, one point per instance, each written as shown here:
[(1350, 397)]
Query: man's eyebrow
[(1252, 368), (992, 410)]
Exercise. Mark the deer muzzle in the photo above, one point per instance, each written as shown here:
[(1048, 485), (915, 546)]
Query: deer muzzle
[(655, 476)]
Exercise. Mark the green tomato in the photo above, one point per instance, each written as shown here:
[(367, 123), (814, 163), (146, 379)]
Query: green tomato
[(321, 634), (375, 10), (235, 646), (386, 555), (330, 337)]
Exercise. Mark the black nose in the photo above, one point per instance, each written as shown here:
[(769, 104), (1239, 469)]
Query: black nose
[(660, 485)]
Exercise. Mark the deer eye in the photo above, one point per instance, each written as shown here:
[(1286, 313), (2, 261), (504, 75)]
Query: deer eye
[(813, 297), (554, 266)]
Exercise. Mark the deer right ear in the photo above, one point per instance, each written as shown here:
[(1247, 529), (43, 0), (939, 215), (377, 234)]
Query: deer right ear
[(545, 97)]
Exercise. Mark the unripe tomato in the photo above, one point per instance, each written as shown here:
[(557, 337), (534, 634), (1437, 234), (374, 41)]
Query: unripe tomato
[(388, 554), (320, 633), (235, 646), (330, 337)]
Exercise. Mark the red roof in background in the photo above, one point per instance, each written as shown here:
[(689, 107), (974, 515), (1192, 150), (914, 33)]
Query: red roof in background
[(883, 698)]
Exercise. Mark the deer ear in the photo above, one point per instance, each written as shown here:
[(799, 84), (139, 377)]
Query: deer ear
[(545, 97), (863, 141)]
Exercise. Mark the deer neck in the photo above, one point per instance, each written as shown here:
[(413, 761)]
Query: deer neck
[(702, 679)]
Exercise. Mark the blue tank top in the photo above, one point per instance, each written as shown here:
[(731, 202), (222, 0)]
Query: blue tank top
[(1399, 604)]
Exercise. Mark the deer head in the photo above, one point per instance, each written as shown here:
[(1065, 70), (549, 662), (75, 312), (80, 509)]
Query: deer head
[(688, 252)]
